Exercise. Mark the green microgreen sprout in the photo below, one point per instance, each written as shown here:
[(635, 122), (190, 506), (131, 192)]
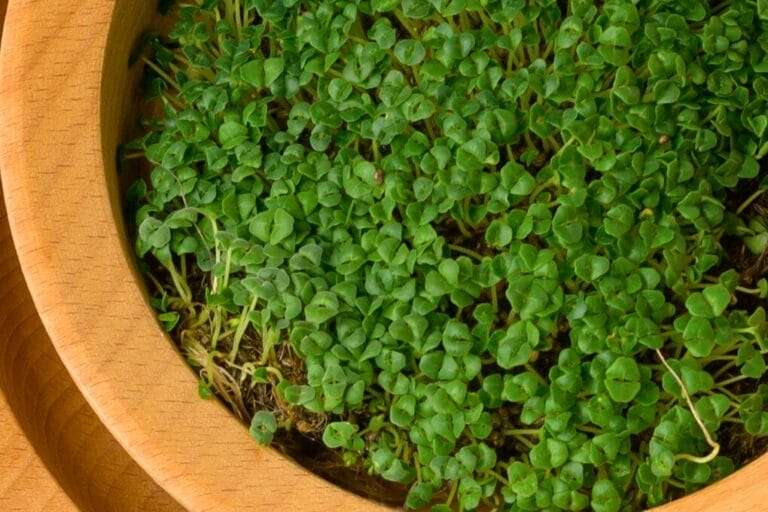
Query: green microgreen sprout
[(502, 255), (711, 442)]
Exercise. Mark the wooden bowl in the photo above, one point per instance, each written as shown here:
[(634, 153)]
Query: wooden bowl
[(55, 454), (64, 101)]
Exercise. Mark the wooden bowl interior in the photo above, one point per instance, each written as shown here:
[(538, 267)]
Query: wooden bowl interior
[(64, 103), (59, 450), (64, 108)]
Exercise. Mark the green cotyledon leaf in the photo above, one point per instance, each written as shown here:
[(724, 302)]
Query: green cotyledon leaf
[(472, 248)]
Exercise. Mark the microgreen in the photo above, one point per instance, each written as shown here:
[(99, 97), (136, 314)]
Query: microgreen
[(482, 249)]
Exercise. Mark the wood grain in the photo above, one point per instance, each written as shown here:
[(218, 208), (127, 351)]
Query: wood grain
[(3, 7), (59, 126), (48, 433), (55, 455), (62, 106), (25, 482), (26, 485)]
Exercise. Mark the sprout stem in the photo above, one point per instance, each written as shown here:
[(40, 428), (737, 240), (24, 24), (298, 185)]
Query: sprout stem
[(406, 24), (452, 492), (158, 286), (735, 400), (523, 431), (274, 371), (751, 291), (711, 359), (725, 368), (498, 477), (216, 327), (463, 229), (241, 327), (165, 76), (181, 286), (711, 442), (732, 380), (750, 200), (675, 483), (465, 251), (238, 18), (524, 440)]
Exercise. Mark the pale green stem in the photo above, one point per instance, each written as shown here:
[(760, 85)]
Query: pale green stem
[(711, 442), (157, 69), (749, 200), (241, 327), (465, 251)]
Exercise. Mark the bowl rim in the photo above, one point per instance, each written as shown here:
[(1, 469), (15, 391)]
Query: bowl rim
[(60, 130), (58, 133)]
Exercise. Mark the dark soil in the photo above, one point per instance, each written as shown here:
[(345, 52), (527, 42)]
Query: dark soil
[(737, 443)]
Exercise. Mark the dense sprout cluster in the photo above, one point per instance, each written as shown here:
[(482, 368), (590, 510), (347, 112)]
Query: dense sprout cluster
[(476, 245)]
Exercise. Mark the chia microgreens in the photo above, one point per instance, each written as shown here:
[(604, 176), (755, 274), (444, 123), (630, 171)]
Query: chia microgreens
[(476, 247)]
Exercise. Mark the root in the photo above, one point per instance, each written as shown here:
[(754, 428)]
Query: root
[(223, 382), (711, 442)]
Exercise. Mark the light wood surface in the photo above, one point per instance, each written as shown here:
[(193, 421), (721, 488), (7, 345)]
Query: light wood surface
[(51, 442), (47, 430), (26, 485), (55, 455), (59, 126), (25, 482), (3, 7), (62, 104)]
